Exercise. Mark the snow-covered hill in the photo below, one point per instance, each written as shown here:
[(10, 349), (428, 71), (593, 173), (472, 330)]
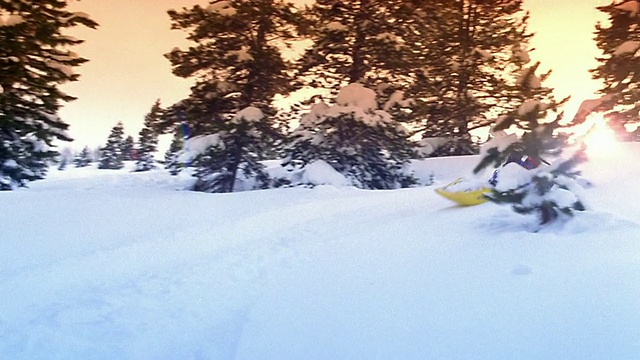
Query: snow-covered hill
[(99, 264)]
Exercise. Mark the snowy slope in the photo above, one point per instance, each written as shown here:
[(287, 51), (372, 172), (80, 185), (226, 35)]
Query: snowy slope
[(98, 264)]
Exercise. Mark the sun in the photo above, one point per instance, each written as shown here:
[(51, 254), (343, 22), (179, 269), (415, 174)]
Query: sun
[(600, 139)]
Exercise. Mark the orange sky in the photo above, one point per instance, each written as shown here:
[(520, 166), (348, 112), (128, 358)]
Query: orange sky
[(127, 71)]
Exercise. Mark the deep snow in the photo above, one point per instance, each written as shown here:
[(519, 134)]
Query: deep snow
[(104, 264)]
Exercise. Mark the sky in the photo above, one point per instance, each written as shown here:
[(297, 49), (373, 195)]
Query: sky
[(127, 71)]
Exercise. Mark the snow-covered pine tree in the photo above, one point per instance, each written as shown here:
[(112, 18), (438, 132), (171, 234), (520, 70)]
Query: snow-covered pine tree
[(34, 60), (170, 156), (619, 40), (356, 44), (547, 191), (467, 54), (238, 68), (65, 157), (111, 153), (229, 162), (356, 139), (148, 139), (83, 158), (128, 148)]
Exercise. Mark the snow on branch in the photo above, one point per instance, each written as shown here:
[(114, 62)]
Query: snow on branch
[(627, 47), (249, 114), (222, 8), (484, 54), (632, 7), (11, 20), (591, 105), (358, 96)]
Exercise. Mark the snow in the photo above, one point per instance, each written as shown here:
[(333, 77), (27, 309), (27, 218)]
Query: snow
[(336, 26), (590, 105), (319, 172), (627, 47), (520, 55), (484, 54), (114, 264), (529, 106), (223, 8), (631, 6), (249, 114), (427, 146), (197, 145), (529, 79), (66, 70), (512, 176), (397, 98), (501, 140), (11, 20), (357, 95), (10, 164)]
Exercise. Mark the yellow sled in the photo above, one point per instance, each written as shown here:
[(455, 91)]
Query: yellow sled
[(461, 196)]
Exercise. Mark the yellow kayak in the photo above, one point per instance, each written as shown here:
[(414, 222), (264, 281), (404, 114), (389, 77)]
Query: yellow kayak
[(461, 195)]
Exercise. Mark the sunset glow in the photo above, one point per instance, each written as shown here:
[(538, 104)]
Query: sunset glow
[(127, 71), (600, 139)]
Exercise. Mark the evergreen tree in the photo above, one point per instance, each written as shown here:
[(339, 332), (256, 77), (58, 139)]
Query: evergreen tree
[(547, 191), (63, 164), (231, 156), (170, 156), (356, 139), (238, 69), (148, 139), (128, 149), (66, 155), (467, 55), (354, 42), (83, 159), (619, 41), (111, 154), (34, 60)]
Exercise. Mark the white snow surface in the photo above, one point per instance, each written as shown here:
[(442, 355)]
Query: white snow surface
[(113, 264), (318, 172)]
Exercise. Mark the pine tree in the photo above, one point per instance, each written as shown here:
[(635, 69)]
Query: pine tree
[(238, 69), (170, 156), (619, 41), (66, 156), (63, 164), (231, 156), (148, 139), (547, 191), (111, 154), (354, 42), (467, 56), (34, 60), (356, 139), (83, 159), (128, 149)]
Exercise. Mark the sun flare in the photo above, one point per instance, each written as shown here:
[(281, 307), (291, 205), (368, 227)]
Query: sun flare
[(600, 139)]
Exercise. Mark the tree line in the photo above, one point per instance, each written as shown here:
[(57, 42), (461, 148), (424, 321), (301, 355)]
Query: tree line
[(435, 69)]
